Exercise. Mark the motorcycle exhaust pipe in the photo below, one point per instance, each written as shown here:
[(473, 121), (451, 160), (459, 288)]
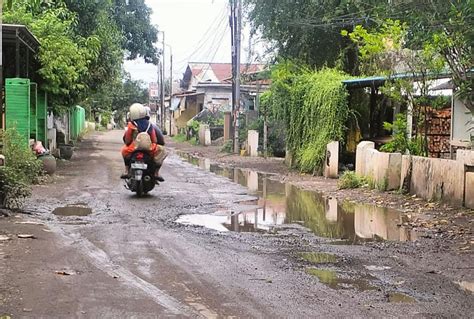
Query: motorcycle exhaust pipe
[(147, 178)]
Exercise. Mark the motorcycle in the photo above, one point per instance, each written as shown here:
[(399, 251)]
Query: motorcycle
[(142, 173)]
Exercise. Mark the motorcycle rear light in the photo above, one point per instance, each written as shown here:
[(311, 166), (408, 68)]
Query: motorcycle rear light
[(139, 156)]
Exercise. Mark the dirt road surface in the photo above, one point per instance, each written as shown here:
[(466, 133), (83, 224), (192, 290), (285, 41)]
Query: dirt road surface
[(105, 253)]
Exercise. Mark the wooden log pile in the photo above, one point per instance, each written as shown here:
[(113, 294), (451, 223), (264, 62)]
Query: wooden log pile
[(439, 132)]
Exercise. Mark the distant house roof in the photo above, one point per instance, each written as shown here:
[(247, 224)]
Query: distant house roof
[(214, 72)]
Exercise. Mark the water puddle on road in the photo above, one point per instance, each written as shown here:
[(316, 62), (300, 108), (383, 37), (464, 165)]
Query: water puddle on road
[(72, 210), (398, 297), (282, 203), (318, 258), (332, 280)]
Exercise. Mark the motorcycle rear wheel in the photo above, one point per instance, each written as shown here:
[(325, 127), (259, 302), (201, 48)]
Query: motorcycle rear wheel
[(140, 191)]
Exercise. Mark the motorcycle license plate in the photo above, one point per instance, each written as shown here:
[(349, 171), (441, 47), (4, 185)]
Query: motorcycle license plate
[(139, 165)]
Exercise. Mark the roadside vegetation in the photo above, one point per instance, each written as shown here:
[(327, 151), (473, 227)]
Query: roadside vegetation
[(21, 169), (324, 44), (83, 45)]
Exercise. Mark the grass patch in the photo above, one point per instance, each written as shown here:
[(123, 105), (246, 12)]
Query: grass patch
[(319, 258), (227, 147), (349, 179), (180, 138)]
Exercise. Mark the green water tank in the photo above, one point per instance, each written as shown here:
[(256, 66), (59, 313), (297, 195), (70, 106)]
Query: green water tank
[(17, 106)]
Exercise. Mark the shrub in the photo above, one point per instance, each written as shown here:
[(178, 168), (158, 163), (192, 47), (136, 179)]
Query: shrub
[(350, 179), (22, 168), (13, 190), (20, 158), (228, 147), (179, 138)]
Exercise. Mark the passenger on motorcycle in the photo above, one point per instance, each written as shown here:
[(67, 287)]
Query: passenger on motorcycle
[(139, 124), (160, 139)]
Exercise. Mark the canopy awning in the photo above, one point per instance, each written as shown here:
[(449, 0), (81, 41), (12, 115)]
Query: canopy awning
[(13, 32), (175, 101)]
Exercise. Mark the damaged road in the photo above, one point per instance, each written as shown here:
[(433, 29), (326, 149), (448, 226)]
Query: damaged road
[(98, 251)]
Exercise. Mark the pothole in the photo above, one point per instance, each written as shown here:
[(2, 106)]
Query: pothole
[(398, 297), (331, 279), (72, 211), (318, 258)]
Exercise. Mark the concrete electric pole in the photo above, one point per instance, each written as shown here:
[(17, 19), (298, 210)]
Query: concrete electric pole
[(236, 26)]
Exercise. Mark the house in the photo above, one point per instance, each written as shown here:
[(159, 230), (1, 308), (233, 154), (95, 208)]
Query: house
[(447, 127), (209, 85), (26, 105)]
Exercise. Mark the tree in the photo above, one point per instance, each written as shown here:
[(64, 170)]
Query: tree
[(64, 56), (95, 18), (130, 91), (133, 19), (383, 51)]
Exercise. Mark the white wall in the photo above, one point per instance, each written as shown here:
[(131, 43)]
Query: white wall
[(460, 122)]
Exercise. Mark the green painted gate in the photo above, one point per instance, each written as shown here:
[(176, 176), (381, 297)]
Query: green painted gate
[(77, 121), (33, 111), (17, 106), (42, 118)]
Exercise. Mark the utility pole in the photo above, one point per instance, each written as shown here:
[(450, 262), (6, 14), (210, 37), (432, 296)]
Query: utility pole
[(171, 87), (236, 21), (163, 86), (158, 86), (1, 67)]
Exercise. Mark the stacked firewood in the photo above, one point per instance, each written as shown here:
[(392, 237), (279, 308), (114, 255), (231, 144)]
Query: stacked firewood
[(439, 131)]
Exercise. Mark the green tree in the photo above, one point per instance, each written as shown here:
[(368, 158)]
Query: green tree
[(129, 91), (133, 19), (64, 56), (383, 51)]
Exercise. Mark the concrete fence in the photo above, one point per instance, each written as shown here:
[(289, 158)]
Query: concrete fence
[(382, 169), (204, 135), (438, 179)]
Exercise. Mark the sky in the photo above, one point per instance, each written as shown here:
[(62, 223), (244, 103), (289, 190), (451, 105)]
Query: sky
[(196, 30)]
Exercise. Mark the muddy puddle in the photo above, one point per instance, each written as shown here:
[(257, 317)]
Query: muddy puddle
[(398, 297), (282, 204), (72, 210), (331, 279)]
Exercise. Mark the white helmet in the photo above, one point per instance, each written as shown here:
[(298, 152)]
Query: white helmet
[(137, 111), (148, 111)]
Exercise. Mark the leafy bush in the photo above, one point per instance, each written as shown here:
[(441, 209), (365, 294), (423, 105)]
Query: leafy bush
[(21, 169), (20, 158), (314, 107), (194, 127), (401, 142), (349, 179), (228, 147), (13, 190), (105, 118)]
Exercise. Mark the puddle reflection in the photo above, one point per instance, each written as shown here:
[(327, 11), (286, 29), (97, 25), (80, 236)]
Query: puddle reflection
[(72, 210), (281, 203), (332, 280)]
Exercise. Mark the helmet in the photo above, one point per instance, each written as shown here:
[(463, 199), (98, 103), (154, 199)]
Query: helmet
[(137, 111), (148, 111)]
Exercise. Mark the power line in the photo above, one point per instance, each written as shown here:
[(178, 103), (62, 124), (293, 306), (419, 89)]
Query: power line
[(204, 39)]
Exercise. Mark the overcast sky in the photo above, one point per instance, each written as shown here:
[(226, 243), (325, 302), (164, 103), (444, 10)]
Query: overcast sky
[(197, 31)]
